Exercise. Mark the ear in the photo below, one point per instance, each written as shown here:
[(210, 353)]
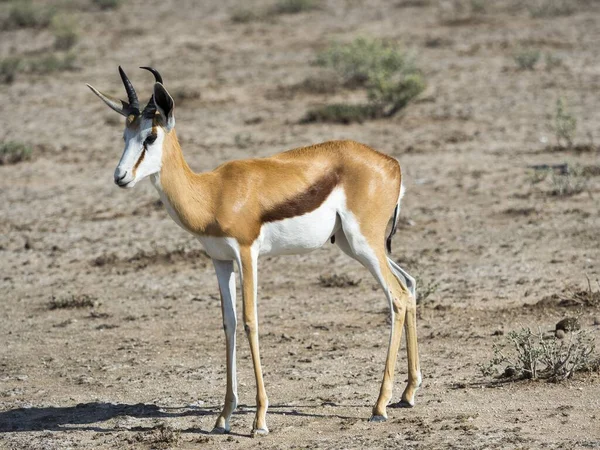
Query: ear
[(164, 105)]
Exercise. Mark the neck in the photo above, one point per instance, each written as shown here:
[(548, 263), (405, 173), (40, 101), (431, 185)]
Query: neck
[(186, 195)]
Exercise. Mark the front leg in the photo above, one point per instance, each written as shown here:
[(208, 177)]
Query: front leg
[(248, 272), (226, 277)]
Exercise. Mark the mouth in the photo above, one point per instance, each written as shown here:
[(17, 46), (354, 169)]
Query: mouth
[(124, 184)]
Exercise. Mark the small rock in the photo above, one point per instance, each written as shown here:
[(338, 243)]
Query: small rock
[(498, 333), (509, 372), (596, 320), (568, 324)]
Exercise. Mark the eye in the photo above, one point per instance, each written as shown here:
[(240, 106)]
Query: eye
[(150, 140)]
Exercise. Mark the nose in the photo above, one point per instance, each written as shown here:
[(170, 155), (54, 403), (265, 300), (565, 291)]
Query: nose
[(120, 174)]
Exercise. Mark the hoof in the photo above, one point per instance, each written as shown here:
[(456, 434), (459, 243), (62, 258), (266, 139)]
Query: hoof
[(377, 418), (258, 432), (219, 430), (403, 404)]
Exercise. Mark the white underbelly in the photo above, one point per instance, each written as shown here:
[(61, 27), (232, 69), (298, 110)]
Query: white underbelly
[(302, 234)]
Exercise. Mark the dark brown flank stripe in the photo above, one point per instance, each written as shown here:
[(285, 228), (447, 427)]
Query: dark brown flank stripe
[(304, 202)]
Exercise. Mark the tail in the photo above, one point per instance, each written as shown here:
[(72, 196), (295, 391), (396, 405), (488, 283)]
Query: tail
[(388, 242), (404, 277)]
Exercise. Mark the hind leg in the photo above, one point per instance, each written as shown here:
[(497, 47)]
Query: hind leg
[(414, 369), (371, 253)]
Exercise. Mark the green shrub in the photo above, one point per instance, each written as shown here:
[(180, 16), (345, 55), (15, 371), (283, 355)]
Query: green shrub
[(364, 58), (526, 59), (565, 124), (391, 94), (551, 8), (24, 14), (388, 74), (294, 6), (9, 67), (13, 152), (65, 32), (107, 4)]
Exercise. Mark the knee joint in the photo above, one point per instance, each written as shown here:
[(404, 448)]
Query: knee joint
[(249, 327), (398, 305), (229, 326)]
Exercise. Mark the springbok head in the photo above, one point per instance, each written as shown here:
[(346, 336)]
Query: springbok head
[(145, 130)]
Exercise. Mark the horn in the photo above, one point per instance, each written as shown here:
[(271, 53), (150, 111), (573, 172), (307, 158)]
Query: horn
[(157, 76), (114, 103), (131, 95), (150, 108)]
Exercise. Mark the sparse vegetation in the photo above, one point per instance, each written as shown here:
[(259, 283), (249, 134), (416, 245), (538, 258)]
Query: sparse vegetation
[(341, 113), (294, 6), (363, 59), (567, 184), (25, 14), (317, 85), (565, 124), (9, 67), (250, 14), (389, 75), (552, 61), (562, 180), (551, 8), (13, 152), (184, 94), (245, 15), (243, 140), (72, 301), (461, 12), (526, 59), (107, 4), (51, 63), (425, 289), (573, 297), (41, 65), (65, 32), (338, 281), (530, 355)]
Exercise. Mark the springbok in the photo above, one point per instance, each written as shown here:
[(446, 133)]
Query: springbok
[(290, 203)]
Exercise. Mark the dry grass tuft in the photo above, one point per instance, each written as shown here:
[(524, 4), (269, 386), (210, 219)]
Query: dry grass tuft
[(338, 281), (72, 301), (579, 298), (530, 355), (14, 152)]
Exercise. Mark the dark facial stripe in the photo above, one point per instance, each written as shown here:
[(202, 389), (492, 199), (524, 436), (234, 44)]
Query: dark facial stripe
[(139, 161), (304, 202)]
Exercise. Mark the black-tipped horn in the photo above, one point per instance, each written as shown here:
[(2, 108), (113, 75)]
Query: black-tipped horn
[(157, 76), (131, 95)]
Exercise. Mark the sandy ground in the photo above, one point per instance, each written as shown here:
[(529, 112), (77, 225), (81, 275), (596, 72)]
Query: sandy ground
[(144, 366)]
